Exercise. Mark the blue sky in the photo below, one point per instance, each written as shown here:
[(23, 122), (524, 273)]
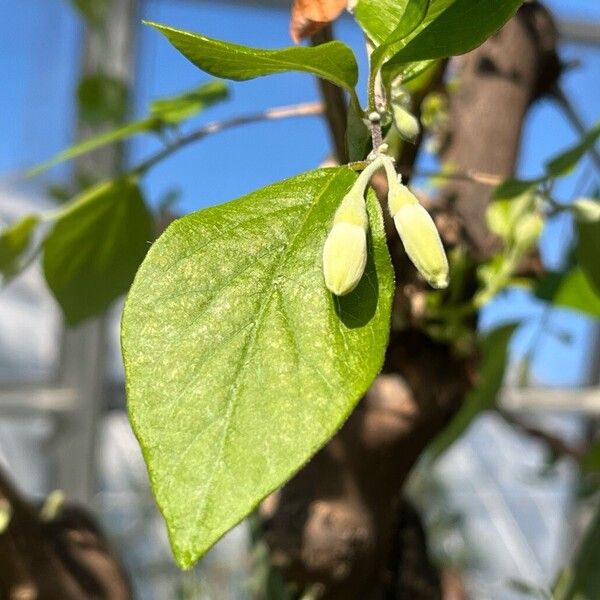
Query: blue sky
[(39, 57)]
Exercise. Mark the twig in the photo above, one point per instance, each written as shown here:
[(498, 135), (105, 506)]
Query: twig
[(558, 446), (306, 109)]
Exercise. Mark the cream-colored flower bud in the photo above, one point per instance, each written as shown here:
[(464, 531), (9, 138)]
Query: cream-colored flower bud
[(344, 257), (422, 243), (528, 230), (586, 210), (406, 123), (398, 196), (352, 209)]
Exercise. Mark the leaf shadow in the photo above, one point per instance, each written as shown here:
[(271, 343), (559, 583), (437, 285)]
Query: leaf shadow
[(358, 307)]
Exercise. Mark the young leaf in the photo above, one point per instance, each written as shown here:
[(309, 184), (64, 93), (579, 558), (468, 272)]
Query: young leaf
[(178, 108), (588, 251), (14, 242), (164, 111), (95, 247), (580, 580), (570, 290), (412, 16), (483, 397), (102, 98), (333, 61), (239, 363), (104, 139), (566, 161), (452, 27)]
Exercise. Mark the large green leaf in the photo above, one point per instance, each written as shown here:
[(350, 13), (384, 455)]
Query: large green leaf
[(581, 579), (483, 396), (95, 247), (15, 240), (333, 61), (453, 27), (239, 363)]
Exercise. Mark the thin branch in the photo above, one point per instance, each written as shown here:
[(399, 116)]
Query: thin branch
[(306, 109), (556, 444)]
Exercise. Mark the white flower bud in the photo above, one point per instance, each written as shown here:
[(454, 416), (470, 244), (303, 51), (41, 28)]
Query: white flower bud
[(345, 250), (527, 231), (406, 123), (398, 196), (422, 243), (344, 257), (586, 210)]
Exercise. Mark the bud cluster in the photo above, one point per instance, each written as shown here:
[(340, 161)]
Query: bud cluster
[(345, 250)]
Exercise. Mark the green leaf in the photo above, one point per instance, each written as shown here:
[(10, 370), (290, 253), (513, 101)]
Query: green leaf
[(164, 111), (483, 397), (95, 247), (379, 18), (588, 251), (333, 61), (565, 162), (581, 579), (104, 139), (412, 16), (358, 137), (15, 240), (178, 108), (239, 363), (452, 27), (590, 462), (570, 290), (511, 201)]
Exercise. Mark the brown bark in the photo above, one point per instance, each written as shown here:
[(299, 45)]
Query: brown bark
[(64, 558), (341, 522)]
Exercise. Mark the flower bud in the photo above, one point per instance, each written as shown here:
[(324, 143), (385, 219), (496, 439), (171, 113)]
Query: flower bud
[(344, 257), (406, 123), (586, 210), (398, 196), (527, 231), (422, 243)]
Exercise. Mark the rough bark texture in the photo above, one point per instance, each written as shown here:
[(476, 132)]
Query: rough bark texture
[(341, 522), (64, 558)]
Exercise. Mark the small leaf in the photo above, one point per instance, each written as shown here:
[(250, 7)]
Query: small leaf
[(104, 139), (483, 396), (570, 290), (95, 247), (93, 11), (164, 111), (588, 251), (239, 363), (310, 16), (565, 162), (333, 61), (14, 243), (358, 137), (175, 109), (580, 580)]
